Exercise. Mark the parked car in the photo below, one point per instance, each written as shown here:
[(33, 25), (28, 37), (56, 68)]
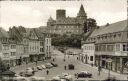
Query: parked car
[(48, 65), (56, 78), (39, 67), (29, 69), (111, 79), (65, 74), (71, 67), (26, 73), (37, 79), (43, 66), (54, 65), (35, 69), (83, 74), (20, 78), (65, 77), (69, 78)]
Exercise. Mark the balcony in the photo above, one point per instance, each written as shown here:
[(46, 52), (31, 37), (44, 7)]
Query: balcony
[(120, 53), (105, 53)]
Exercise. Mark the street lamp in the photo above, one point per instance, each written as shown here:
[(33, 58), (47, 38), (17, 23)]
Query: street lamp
[(109, 61)]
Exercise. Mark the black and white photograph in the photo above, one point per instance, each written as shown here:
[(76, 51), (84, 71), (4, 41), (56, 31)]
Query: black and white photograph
[(63, 40)]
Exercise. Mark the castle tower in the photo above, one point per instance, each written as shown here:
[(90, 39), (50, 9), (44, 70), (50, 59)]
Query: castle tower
[(81, 16), (50, 21), (60, 14), (81, 12)]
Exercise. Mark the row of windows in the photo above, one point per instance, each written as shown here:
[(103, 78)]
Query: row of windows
[(34, 47), (6, 55), (13, 53), (89, 47), (109, 48), (5, 47), (64, 31), (4, 39), (105, 37), (41, 50), (67, 26), (13, 46)]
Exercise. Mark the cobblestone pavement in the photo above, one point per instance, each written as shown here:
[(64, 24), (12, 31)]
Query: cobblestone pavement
[(79, 66)]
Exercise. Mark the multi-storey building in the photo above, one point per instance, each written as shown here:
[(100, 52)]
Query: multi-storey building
[(108, 42), (20, 45), (4, 46), (48, 46), (12, 52), (36, 45), (67, 25)]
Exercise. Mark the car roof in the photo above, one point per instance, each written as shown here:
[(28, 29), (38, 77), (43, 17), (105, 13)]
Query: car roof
[(84, 71)]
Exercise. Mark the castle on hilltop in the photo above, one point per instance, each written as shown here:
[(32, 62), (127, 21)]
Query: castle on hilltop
[(67, 25)]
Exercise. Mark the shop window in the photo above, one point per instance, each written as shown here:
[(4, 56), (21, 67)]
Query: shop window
[(91, 58)]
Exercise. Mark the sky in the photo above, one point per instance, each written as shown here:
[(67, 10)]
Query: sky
[(32, 14)]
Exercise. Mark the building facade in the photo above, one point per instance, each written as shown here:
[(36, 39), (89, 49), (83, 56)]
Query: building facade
[(21, 45), (110, 42), (88, 51), (67, 25), (4, 46), (48, 47)]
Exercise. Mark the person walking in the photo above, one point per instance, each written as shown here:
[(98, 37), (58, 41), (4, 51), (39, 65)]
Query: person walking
[(65, 67), (77, 58), (53, 59), (47, 72)]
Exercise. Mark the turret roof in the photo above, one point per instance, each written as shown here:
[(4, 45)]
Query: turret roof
[(81, 11)]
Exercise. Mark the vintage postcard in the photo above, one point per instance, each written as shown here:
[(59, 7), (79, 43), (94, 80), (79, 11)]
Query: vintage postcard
[(63, 40)]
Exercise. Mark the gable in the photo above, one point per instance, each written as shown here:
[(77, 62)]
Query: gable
[(33, 35)]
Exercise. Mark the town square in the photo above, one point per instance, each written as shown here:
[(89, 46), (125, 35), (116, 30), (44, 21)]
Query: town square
[(56, 40)]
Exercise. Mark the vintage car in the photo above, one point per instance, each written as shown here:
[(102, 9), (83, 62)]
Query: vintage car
[(39, 67), (57, 78), (83, 74), (54, 65), (43, 66), (28, 72), (20, 79), (71, 67), (48, 65), (37, 79), (35, 69)]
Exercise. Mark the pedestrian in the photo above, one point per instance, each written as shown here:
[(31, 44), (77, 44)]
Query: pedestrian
[(77, 58), (64, 60), (53, 59), (65, 67), (47, 72), (36, 63)]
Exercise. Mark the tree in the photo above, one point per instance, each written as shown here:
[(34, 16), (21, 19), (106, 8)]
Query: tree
[(3, 66), (89, 24)]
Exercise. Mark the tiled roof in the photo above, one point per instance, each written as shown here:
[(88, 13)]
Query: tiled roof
[(3, 33), (38, 33), (114, 27)]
